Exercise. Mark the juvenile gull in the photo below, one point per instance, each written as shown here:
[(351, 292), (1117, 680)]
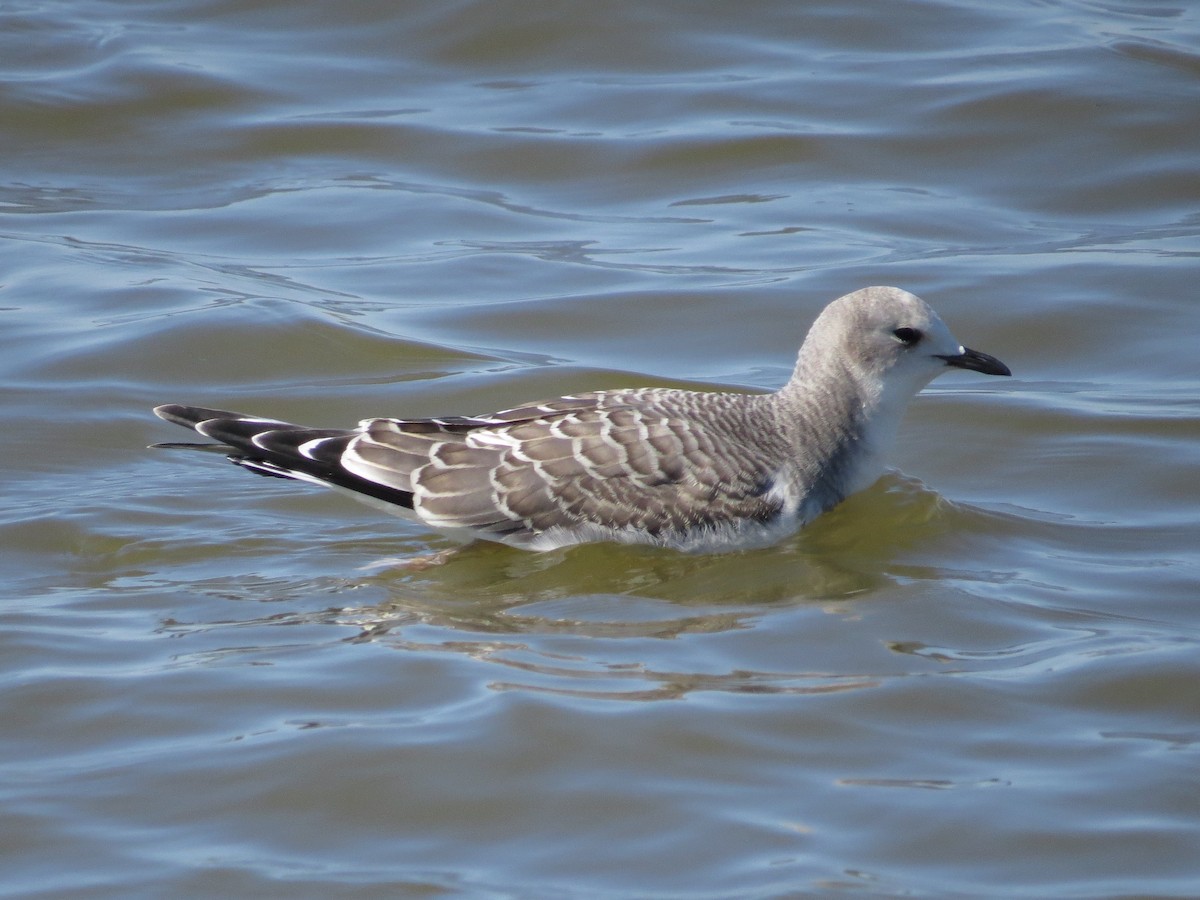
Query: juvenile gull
[(685, 469)]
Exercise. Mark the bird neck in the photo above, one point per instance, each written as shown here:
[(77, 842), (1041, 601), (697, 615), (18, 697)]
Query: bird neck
[(841, 425)]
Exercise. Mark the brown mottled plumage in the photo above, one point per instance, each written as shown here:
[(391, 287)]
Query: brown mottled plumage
[(687, 469)]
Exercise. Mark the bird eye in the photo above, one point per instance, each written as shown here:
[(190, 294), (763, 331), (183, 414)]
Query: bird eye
[(907, 336)]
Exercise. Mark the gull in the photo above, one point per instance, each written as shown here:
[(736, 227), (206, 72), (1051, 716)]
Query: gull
[(693, 470)]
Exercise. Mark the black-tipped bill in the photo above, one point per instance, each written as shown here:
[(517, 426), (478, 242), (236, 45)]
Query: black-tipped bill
[(977, 362)]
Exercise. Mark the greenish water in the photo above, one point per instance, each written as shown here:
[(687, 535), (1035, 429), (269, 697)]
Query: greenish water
[(977, 679)]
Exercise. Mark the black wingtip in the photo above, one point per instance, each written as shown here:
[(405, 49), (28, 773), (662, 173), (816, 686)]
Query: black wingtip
[(221, 449), (173, 413), (191, 416)]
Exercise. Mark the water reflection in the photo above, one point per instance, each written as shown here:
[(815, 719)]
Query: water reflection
[(638, 623)]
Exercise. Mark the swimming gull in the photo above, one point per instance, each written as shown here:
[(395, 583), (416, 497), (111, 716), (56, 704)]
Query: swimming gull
[(686, 469)]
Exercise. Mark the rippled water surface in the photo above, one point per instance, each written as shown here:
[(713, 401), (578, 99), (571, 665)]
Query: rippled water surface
[(980, 678)]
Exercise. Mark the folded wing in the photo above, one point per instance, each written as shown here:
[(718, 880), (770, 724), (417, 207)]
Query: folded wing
[(577, 463)]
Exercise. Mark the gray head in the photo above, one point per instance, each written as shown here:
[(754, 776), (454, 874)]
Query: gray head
[(888, 341)]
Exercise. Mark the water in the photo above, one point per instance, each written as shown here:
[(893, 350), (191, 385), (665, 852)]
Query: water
[(977, 679)]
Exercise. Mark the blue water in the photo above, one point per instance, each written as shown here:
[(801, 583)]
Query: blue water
[(977, 679)]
